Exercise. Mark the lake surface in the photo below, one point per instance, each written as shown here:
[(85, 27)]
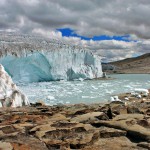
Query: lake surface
[(88, 91)]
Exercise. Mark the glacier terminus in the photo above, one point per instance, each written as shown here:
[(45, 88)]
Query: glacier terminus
[(29, 58)]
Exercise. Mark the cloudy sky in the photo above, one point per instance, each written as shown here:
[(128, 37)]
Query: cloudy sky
[(115, 29)]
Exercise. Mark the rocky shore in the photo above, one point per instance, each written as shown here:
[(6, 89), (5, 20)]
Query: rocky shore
[(113, 126)]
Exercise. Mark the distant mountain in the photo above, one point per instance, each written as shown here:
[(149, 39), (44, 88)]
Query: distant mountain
[(140, 64)]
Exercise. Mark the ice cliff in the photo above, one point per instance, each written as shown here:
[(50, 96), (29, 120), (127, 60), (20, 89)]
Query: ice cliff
[(10, 95), (33, 59)]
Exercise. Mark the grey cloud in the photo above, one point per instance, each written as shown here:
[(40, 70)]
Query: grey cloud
[(3, 25), (76, 5), (87, 17), (113, 50)]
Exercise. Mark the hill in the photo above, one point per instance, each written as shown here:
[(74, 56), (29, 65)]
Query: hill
[(140, 64)]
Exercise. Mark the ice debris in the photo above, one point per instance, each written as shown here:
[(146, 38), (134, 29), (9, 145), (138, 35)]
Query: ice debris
[(10, 95), (114, 98), (143, 91)]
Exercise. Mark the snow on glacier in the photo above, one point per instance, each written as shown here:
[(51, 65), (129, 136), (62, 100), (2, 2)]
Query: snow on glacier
[(33, 59)]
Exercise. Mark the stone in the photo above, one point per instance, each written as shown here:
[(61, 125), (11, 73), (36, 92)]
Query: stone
[(106, 132), (130, 126), (133, 110), (128, 116), (85, 127), (90, 117), (109, 113), (24, 142), (144, 123), (144, 145), (5, 146), (118, 109), (58, 116), (7, 129), (113, 143), (77, 135)]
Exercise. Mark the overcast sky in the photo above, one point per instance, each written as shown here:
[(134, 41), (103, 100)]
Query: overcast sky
[(116, 29)]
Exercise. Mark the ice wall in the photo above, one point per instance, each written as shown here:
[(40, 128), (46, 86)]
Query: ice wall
[(10, 95), (35, 59)]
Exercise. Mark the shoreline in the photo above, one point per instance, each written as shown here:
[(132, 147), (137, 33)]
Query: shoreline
[(79, 126), (109, 73)]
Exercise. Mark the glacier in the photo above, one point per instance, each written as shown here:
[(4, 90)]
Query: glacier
[(29, 59), (10, 95)]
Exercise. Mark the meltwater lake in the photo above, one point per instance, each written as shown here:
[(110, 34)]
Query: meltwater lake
[(88, 91)]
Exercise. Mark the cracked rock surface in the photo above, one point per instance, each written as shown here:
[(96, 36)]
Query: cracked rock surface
[(80, 126)]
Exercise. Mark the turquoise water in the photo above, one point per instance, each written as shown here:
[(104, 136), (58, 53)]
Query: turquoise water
[(89, 91)]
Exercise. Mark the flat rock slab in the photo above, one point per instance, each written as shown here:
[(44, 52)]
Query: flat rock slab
[(106, 132), (23, 142), (87, 127), (130, 126), (77, 135), (114, 143), (5, 146), (90, 117), (144, 145), (128, 116)]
